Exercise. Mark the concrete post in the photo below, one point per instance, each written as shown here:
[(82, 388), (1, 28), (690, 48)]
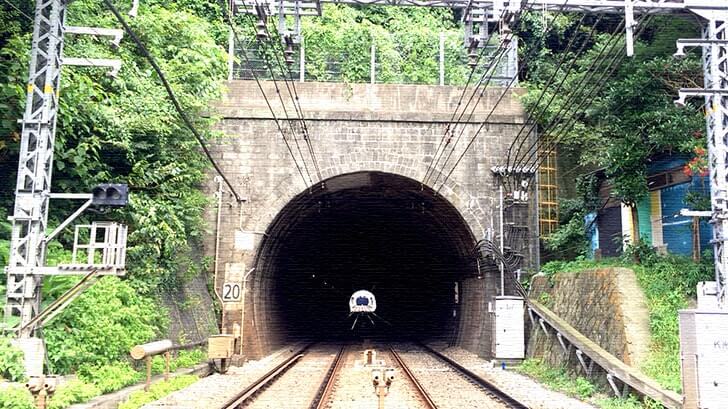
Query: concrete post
[(302, 64), (231, 54), (442, 58), (372, 69)]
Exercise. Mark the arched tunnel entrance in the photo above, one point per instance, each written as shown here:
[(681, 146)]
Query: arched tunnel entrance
[(367, 230)]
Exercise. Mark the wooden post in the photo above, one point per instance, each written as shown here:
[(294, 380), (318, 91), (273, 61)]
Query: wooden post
[(167, 358), (148, 360), (696, 239)]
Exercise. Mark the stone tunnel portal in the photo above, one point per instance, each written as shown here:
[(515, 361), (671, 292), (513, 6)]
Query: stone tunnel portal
[(367, 230)]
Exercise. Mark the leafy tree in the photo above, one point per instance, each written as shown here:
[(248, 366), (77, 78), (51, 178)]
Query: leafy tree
[(633, 118)]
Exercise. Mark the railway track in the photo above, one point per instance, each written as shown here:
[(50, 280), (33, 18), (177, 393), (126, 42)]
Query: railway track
[(436, 379), (330, 377), (297, 382)]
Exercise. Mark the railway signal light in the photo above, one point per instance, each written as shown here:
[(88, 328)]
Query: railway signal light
[(110, 194)]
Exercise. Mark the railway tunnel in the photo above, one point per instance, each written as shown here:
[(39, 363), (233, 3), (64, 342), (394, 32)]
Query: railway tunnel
[(367, 230)]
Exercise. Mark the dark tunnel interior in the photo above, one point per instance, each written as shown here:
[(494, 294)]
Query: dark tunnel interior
[(372, 231)]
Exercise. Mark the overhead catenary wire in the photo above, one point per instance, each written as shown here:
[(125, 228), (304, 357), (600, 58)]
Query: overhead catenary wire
[(578, 90), (585, 103), (183, 115), (228, 18), (577, 94), (515, 77), (583, 96), (293, 95), (462, 95), (297, 105), (475, 91), (280, 98), (550, 81), (484, 82)]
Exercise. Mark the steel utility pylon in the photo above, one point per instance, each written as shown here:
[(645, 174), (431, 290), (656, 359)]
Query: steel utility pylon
[(32, 192), (28, 244)]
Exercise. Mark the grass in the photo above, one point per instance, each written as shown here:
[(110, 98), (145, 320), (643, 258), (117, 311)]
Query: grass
[(557, 378), (560, 379), (157, 391), (96, 380)]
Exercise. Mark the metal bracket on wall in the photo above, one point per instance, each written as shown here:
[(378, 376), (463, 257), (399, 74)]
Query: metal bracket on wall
[(617, 392), (542, 323), (566, 348), (588, 369)]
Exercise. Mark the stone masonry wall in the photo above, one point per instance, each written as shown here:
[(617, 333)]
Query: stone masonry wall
[(605, 305), (353, 127)]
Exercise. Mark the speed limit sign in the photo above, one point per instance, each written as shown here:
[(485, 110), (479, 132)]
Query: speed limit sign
[(231, 292)]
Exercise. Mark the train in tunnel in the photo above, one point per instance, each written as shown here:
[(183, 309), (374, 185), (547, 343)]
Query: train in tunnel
[(362, 301)]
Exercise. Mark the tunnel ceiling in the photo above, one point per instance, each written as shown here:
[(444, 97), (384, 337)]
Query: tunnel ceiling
[(373, 231)]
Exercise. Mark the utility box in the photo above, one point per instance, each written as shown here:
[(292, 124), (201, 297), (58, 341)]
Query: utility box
[(33, 352), (704, 358), (708, 296), (509, 328), (220, 346)]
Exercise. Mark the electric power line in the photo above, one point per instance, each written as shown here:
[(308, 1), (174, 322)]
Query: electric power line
[(171, 95), (575, 94), (462, 95), (586, 101), (228, 18), (548, 84)]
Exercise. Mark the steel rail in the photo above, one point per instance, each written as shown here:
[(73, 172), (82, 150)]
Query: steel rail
[(478, 380), (320, 401), (420, 389), (240, 399)]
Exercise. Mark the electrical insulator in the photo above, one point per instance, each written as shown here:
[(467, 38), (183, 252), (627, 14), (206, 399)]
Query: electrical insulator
[(288, 53), (261, 33), (473, 53), (472, 59)]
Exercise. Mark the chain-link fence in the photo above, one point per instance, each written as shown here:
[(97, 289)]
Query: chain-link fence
[(446, 62)]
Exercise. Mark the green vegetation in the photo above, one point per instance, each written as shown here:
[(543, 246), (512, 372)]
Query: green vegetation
[(76, 337), (124, 130), (560, 379), (631, 120), (669, 282), (117, 130), (15, 396), (11, 361), (157, 391), (406, 41), (71, 392)]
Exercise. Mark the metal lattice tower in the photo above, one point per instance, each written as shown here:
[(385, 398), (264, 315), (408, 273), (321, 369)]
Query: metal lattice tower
[(32, 192), (26, 266), (715, 64)]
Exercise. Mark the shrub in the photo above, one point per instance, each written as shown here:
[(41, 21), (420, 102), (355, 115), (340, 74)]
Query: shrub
[(110, 377), (11, 361), (71, 392), (15, 397), (101, 325)]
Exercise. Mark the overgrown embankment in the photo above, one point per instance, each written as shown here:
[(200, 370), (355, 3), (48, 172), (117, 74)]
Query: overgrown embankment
[(668, 283)]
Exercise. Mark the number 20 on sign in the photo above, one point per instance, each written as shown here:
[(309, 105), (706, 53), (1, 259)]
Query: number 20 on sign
[(231, 292)]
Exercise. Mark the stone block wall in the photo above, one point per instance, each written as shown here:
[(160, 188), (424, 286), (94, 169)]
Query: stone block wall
[(353, 128), (605, 305)]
